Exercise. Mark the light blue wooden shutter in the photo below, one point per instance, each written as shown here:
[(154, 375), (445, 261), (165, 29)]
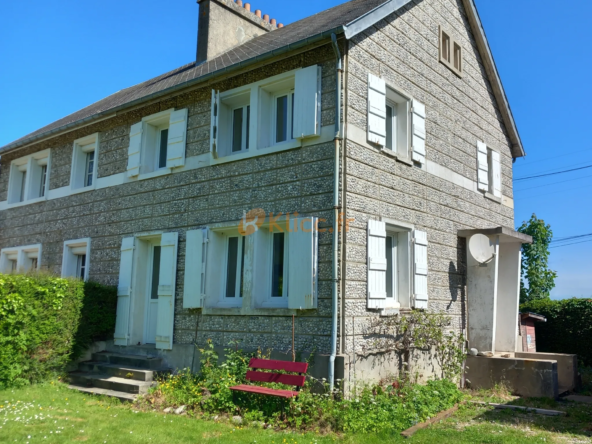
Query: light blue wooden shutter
[(496, 173), (177, 139), (420, 284), (214, 123), (418, 125), (195, 268), (307, 102), (483, 167), (134, 150), (376, 110), (376, 264), (166, 291), (124, 291), (303, 264)]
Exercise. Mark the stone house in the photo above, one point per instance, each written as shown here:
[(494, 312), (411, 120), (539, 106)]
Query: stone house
[(332, 170)]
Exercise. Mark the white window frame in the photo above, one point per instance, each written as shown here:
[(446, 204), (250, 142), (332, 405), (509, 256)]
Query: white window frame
[(404, 279), (27, 183), (290, 121), (72, 251), (402, 101), (79, 172), (237, 299), (25, 256), (269, 300), (261, 96), (150, 151), (217, 260)]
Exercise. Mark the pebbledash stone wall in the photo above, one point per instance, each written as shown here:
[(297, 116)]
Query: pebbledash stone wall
[(298, 180), (403, 49)]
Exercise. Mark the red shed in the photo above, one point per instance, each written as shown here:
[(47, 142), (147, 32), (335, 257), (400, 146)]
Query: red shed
[(527, 331)]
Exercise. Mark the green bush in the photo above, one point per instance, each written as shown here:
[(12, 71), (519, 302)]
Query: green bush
[(568, 328), (97, 316), (44, 322), (373, 408)]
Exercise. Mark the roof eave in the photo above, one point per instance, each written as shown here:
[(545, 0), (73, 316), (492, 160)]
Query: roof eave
[(112, 111)]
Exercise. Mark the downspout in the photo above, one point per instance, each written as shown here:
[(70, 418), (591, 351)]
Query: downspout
[(336, 218)]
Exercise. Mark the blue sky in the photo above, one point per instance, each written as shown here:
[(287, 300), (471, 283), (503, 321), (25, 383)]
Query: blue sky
[(58, 57)]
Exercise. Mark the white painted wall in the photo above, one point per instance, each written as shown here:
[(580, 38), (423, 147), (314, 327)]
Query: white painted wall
[(482, 298), (508, 297)]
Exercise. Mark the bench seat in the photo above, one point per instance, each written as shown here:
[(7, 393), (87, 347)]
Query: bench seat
[(265, 391)]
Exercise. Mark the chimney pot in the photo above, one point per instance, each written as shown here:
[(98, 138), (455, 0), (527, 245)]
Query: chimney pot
[(258, 13), (281, 25), (273, 22), (266, 18), (239, 2), (248, 6)]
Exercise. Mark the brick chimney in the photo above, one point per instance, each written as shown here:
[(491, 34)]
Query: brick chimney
[(224, 24)]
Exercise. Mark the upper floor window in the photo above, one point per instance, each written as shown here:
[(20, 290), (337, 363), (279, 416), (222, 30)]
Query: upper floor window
[(450, 52), (395, 121), (270, 113), (29, 177), (489, 174), (20, 259), (84, 162), (157, 143)]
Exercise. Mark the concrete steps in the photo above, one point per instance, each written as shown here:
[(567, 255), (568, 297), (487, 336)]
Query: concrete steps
[(117, 375)]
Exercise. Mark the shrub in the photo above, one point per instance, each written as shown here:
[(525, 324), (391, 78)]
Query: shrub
[(97, 316), (44, 322), (384, 407), (568, 328)]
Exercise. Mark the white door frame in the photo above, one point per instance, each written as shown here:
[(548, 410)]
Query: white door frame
[(154, 242)]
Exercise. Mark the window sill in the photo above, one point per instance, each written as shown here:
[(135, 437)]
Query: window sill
[(405, 160), (26, 202), (82, 189), (153, 174), (246, 311), (492, 197)]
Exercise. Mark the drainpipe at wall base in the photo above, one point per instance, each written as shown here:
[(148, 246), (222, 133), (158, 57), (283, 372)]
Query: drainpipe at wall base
[(336, 208)]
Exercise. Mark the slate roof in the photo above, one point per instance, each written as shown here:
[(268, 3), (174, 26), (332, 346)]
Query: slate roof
[(293, 35)]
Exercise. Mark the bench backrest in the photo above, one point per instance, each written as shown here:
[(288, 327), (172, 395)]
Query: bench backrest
[(269, 364)]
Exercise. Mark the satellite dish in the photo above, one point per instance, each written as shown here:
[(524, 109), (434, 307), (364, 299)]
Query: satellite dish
[(481, 248)]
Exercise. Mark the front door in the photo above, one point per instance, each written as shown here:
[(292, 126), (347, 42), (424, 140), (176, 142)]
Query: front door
[(152, 295)]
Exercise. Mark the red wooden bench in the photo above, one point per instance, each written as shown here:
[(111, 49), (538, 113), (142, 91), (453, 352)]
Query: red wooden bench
[(267, 364)]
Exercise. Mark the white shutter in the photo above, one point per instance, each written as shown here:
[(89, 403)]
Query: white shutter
[(302, 264), (376, 110), (483, 167), (418, 125), (195, 268), (307, 102), (496, 173), (214, 123), (124, 291), (420, 283), (134, 150), (177, 138), (376, 264), (166, 291)]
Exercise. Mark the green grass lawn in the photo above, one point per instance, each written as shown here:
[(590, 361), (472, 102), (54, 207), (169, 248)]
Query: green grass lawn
[(52, 413)]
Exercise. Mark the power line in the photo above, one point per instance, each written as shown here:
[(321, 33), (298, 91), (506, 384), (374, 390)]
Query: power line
[(549, 184), (528, 162), (531, 196), (574, 243), (563, 239), (552, 174)]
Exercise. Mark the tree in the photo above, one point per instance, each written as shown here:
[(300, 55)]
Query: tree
[(535, 260)]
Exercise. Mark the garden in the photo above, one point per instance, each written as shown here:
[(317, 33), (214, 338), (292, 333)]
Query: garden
[(45, 322)]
